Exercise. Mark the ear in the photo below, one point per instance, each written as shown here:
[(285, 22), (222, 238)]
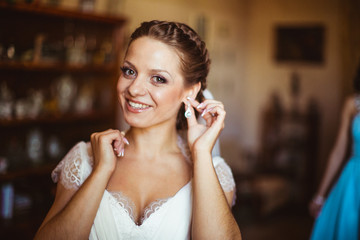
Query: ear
[(192, 91)]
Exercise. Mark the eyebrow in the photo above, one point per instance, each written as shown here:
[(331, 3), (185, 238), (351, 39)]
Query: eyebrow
[(129, 63), (152, 70)]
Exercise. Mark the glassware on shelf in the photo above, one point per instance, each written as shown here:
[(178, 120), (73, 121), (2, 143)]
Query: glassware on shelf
[(38, 47), (87, 5), (66, 91), (7, 201), (76, 50), (6, 102), (21, 108), (54, 148), (36, 103), (85, 99), (10, 52), (34, 146), (104, 54)]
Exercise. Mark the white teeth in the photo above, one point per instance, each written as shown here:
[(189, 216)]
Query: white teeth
[(138, 105)]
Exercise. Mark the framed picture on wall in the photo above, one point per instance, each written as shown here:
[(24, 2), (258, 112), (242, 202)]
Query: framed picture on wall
[(300, 43)]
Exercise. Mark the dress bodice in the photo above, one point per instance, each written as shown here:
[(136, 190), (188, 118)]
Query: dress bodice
[(168, 218)]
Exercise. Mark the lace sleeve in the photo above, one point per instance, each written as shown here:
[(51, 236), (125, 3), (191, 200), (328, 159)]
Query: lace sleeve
[(75, 167), (224, 174)]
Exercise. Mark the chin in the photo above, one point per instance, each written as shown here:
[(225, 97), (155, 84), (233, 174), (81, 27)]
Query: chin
[(137, 122)]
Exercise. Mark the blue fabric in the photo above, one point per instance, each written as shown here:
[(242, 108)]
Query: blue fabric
[(339, 217)]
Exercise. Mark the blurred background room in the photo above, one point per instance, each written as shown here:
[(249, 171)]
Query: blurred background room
[(282, 69)]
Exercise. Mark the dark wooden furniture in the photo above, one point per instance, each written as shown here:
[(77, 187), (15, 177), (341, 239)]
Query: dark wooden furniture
[(43, 38)]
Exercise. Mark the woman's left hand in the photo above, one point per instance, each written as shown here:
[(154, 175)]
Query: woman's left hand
[(203, 137), (316, 205)]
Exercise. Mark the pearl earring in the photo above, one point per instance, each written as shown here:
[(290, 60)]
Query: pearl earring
[(188, 112)]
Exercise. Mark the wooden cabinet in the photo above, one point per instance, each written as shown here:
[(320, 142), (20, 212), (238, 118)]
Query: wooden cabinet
[(58, 72)]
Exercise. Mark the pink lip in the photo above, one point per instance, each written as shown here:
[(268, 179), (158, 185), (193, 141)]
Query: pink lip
[(135, 110)]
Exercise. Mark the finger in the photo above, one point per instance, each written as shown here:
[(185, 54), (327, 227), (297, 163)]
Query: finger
[(206, 103), (111, 138), (194, 103), (95, 136), (208, 117), (211, 110), (123, 140), (119, 145), (100, 142), (215, 117), (215, 111), (210, 104)]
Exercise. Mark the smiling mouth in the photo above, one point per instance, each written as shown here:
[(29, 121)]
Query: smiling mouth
[(138, 106)]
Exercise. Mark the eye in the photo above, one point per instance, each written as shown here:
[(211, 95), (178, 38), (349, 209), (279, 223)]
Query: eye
[(128, 72), (158, 79)]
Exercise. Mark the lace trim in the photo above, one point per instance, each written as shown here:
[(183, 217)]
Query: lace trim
[(130, 208), (225, 176), (72, 170), (124, 203), (152, 208)]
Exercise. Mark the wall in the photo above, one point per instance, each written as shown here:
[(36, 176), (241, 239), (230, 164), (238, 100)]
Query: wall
[(263, 75)]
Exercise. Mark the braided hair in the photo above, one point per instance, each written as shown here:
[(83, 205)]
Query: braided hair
[(194, 57)]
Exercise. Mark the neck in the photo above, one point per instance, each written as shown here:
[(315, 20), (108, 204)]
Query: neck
[(153, 141)]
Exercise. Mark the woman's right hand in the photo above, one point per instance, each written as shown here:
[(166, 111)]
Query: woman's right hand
[(107, 146)]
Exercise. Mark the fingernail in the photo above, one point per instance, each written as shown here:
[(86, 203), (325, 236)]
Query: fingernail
[(204, 112), (115, 149), (200, 105), (126, 141), (188, 98), (121, 153), (122, 133)]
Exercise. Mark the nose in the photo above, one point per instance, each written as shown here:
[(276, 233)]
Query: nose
[(137, 87)]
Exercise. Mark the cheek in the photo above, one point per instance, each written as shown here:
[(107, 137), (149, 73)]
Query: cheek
[(168, 99)]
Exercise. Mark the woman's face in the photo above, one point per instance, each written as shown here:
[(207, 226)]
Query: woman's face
[(151, 86)]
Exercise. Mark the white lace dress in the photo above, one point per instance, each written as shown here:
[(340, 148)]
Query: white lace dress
[(163, 219)]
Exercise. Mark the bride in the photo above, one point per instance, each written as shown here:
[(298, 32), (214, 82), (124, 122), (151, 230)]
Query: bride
[(158, 180)]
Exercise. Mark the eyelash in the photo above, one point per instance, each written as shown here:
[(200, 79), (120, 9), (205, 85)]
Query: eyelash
[(156, 79), (125, 71), (159, 80)]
